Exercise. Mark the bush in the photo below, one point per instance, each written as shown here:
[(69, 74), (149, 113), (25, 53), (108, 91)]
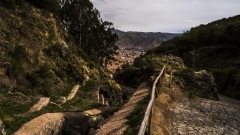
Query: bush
[(34, 79), (228, 82), (129, 76), (92, 65), (50, 5), (45, 71), (60, 73), (19, 54), (11, 3)]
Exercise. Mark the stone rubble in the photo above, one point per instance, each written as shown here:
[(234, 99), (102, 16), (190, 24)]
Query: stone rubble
[(205, 117)]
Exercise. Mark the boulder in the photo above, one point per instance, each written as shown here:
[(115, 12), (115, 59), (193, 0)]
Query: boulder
[(206, 81), (61, 100), (174, 61), (201, 83)]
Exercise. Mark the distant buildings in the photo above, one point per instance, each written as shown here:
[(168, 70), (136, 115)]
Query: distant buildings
[(125, 55)]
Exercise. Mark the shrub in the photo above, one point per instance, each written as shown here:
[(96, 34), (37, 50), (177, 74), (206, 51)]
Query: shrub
[(34, 79), (228, 82), (129, 76), (92, 65), (45, 71), (20, 53), (60, 73), (11, 3), (50, 5)]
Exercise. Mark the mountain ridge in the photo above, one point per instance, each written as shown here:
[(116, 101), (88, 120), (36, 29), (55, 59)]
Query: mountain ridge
[(143, 40)]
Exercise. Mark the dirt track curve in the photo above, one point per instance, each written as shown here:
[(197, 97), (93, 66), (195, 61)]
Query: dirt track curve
[(116, 124)]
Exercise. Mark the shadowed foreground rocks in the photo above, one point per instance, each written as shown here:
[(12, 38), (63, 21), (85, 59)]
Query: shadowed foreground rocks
[(66, 123)]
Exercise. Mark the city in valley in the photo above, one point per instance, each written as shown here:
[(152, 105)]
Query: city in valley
[(124, 56)]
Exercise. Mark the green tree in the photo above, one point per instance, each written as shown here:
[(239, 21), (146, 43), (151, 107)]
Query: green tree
[(90, 33)]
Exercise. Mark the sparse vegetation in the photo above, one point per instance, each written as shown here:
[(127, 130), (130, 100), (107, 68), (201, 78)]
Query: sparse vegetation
[(136, 116), (14, 106), (214, 47), (38, 58)]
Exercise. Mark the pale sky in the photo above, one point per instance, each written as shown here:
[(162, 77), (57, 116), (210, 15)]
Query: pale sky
[(164, 15)]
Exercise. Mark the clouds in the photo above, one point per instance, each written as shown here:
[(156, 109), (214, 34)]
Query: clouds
[(164, 15)]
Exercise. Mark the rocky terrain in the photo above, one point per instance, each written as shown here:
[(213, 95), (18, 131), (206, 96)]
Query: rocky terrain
[(203, 116)]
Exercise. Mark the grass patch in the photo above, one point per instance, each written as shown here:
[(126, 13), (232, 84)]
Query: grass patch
[(136, 116), (13, 105)]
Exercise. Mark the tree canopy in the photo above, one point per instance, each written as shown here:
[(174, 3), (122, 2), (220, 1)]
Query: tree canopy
[(89, 31)]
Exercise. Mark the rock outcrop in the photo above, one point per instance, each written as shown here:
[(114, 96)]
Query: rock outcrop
[(205, 80), (201, 83), (2, 130), (110, 93), (174, 61)]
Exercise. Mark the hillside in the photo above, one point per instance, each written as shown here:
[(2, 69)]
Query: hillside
[(215, 47), (36, 51), (142, 40), (39, 59)]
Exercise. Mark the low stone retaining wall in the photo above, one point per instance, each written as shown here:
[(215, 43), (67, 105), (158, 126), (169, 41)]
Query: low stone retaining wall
[(40, 104), (46, 124), (60, 123), (73, 92)]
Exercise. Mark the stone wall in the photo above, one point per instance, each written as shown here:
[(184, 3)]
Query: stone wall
[(63, 123), (46, 124), (43, 101)]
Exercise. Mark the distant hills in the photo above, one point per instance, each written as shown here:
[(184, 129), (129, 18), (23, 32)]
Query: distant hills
[(143, 40)]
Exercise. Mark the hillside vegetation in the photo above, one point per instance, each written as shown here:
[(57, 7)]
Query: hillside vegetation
[(215, 47), (38, 58)]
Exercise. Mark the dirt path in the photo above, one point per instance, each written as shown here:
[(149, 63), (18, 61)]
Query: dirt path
[(116, 124)]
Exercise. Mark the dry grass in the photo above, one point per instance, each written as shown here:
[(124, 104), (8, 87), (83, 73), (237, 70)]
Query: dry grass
[(167, 99)]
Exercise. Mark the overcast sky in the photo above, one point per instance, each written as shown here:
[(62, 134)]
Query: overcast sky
[(164, 15)]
